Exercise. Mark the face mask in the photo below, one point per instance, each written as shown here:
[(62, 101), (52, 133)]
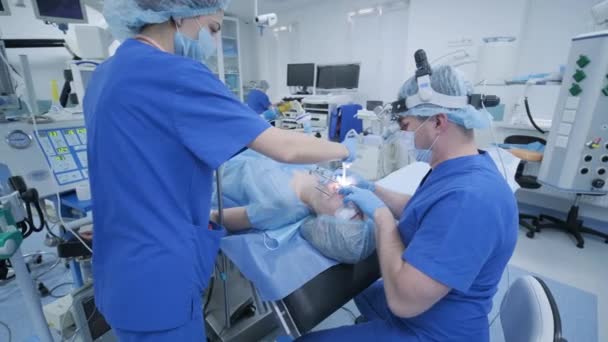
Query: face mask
[(273, 239), (200, 49), (408, 140)]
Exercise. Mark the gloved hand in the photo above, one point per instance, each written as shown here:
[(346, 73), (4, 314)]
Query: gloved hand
[(350, 142), (359, 181), (364, 199), (270, 114)]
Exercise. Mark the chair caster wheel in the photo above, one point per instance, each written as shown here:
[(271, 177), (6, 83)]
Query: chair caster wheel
[(580, 245), (530, 235)]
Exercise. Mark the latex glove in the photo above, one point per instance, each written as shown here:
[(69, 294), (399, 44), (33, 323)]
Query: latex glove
[(270, 114), (350, 142), (364, 199), (357, 179)]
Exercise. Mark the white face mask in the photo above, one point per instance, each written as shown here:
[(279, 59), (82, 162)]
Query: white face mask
[(408, 141)]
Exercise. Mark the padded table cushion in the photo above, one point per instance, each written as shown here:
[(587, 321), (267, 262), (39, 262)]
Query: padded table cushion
[(329, 291)]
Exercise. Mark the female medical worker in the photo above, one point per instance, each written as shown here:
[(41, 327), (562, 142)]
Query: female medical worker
[(442, 262), (158, 123), (257, 99)]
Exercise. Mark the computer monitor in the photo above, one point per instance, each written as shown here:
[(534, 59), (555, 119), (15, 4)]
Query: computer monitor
[(90, 323), (4, 9), (301, 75), (339, 76), (81, 74), (60, 11)]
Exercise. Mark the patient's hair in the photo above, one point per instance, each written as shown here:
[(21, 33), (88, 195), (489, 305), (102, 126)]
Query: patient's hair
[(346, 241)]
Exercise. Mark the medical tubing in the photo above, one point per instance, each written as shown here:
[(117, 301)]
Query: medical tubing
[(530, 117), (8, 330), (48, 229), (58, 286), (448, 54)]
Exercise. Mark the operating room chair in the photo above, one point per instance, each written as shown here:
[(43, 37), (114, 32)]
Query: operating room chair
[(527, 221), (529, 313)]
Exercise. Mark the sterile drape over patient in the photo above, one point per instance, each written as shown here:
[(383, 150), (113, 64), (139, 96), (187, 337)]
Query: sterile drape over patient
[(281, 200)]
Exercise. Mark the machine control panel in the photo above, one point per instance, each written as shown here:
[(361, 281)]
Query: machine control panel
[(576, 156), (65, 150), (53, 160)]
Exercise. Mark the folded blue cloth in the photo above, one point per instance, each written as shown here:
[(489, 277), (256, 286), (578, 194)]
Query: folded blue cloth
[(534, 147)]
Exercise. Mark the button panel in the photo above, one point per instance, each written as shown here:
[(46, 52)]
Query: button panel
[(565, 128), (561, 141), (579, 75), (569, 115), (572, 102), (65, 150), (575, 89), (583, 61)]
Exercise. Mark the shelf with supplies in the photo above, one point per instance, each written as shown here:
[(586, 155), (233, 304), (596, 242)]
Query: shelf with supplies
[(226, 64)]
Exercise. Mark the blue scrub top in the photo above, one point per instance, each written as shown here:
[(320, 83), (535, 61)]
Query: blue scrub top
[(258, 101), (158, 124), (460, 229)]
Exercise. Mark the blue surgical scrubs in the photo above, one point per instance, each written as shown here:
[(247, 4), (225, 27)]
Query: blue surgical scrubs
[(258, 101), (158, 124), (460, 229)]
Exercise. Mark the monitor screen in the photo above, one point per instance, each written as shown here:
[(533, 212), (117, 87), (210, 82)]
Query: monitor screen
[(343, 76), (301, 75), (61, 10), (95, 320)]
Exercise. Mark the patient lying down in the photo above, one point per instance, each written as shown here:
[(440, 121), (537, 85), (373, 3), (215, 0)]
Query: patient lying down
[(263, 194)]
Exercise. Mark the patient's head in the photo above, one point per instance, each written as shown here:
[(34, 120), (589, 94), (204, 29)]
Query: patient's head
[(347, 241), (322, 204)]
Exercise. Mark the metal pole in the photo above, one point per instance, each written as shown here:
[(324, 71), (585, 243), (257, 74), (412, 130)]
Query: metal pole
[(30, 296), (220, 207)]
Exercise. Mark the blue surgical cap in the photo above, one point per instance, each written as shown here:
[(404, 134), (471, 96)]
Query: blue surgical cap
[(263, 85), (347, 241), (126, 17), (447, 80)]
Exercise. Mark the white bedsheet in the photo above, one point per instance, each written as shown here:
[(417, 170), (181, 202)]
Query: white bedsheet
[(407, 179)]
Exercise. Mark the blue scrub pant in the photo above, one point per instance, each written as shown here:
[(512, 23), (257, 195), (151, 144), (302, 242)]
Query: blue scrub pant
[(382, 324), (193, 330)]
